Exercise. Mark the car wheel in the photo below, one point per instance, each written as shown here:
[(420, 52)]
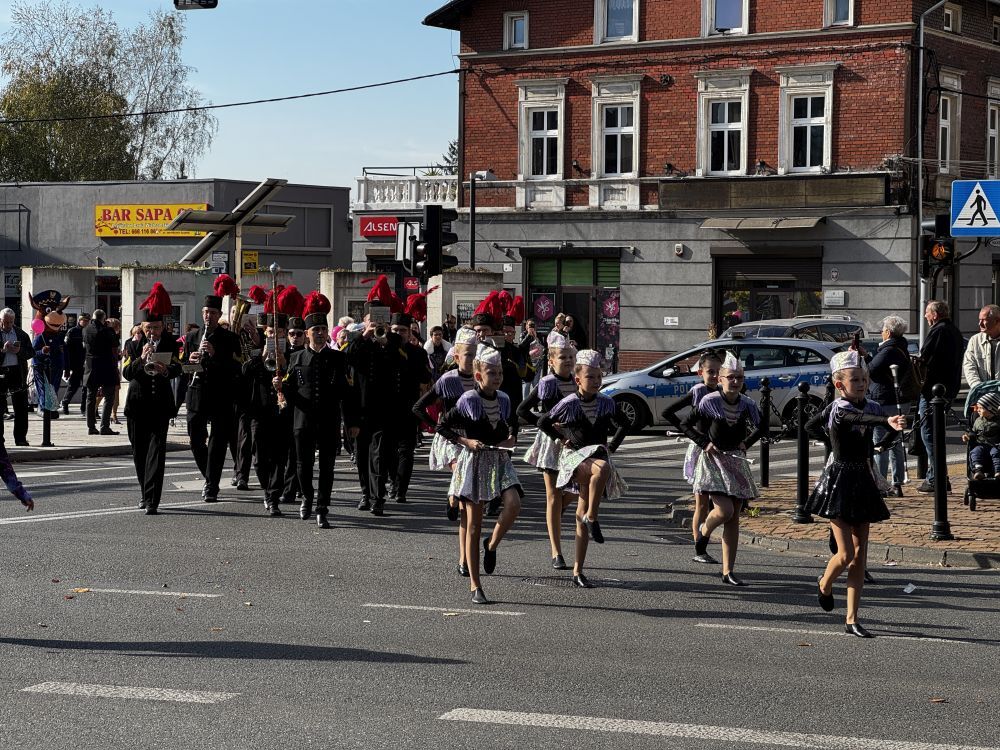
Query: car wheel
[(633, 411), (790, 415)]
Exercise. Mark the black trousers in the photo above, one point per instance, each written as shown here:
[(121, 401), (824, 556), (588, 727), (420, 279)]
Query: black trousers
[(75, 381), (109, 401), (307, 440), (291, 488), (272, 437), (210, 449), (9, 379), (406, 445), (148, 436), (241, 446), (375, 451)]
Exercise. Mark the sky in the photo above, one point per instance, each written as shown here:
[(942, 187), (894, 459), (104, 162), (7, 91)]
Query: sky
[(253, 49)]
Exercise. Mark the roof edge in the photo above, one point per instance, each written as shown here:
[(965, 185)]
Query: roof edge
[(446, 17)]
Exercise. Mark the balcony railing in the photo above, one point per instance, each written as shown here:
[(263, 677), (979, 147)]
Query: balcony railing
[(390, 189)]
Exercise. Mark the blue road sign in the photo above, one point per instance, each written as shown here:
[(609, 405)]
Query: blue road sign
[(972, 208)]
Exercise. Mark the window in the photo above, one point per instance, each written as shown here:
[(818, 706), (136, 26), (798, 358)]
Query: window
[(952, 18), (996, 29), (723, 98), (798, 357), (544, 142), (614, 140), (946, 132), (618, 139), (806, 118), (724, 17), (762, 357), (993, 140), (616, 20), (838, 13), (541, 127), (725, 136), (515, 30)]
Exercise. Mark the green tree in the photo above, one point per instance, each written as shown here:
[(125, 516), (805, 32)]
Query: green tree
[(53, 44), (450, 157)]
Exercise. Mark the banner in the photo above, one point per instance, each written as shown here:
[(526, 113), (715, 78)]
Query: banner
[(141, 220)]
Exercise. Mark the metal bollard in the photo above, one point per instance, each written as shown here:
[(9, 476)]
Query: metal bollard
[(940, 529), (765, 426), (802, 464), (46, 414)]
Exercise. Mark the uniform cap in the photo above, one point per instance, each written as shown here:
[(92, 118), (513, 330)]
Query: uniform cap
[(589, 357), (466, 336), (488, 355), (846, 360)]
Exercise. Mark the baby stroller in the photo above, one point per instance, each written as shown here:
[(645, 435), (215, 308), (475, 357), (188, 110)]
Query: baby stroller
[(978, 488)]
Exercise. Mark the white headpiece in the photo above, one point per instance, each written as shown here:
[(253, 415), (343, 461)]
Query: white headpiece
[(488, 355), (589, 357), (730, 363), (556, 340), (466, 336), (846, 360)]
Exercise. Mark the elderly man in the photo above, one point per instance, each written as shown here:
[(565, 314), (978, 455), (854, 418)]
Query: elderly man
[(942, 355), (981, 355), (16, 353)]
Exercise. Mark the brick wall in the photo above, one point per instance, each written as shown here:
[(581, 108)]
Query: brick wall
[(628, 361)]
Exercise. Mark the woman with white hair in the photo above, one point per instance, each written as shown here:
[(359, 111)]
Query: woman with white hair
[(882, 390)]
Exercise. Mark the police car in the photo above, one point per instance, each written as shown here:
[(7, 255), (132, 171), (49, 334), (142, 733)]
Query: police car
[(642, 395)]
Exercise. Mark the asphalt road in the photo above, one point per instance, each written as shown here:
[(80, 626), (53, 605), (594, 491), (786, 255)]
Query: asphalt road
[(217, 627)]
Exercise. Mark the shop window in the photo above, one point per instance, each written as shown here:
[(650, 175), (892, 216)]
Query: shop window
[(515, 30), (543, 272), (609, 273), (577, 272)]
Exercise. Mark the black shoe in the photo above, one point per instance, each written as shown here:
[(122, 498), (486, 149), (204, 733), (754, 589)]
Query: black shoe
[(479, 597), (243, 487), (489, 558), (581, 582), (108, 431), (53, 414), (826, 601), (392, 494), (211, 499), (701, 546), (93, 431), (152, 511), (23, 443), (83, 408), (65, 406), (897, 490), (321, 521), (857, 629), (400, 498), (365, 504), (705, 559), (452, 512), (305, 510), (594, 529), (463, 570), (730, 580), (869, 578), (926, 487), (558, 563), (234, 481), (142, 505), (378, 507), (274, 510)]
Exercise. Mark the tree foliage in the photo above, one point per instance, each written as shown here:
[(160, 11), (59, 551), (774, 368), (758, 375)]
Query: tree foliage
[(62, 60), (450, 157)]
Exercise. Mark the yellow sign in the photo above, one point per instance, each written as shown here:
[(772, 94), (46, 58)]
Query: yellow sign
[(145, 220), (250, 260)]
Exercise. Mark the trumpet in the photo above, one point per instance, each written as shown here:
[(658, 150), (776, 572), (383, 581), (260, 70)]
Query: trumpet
[(271, 354), (150, 366)]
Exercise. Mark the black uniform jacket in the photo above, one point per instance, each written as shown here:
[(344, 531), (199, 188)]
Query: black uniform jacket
[(317, 387), (214, 388), (150, 396)]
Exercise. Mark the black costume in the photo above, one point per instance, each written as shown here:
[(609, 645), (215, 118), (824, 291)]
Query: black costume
[(73, 364), (14, 380), (291, 489), (100, 372)]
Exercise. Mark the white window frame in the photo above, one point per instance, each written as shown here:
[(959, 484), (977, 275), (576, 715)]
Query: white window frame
[(508, 29), (804, 80), (541, 191), (995, 37), (713, 86), (993, 129), (952, 80), (619, 131), (951, 18), (601, 22), (830, 10), (616, 190), (708, 27)]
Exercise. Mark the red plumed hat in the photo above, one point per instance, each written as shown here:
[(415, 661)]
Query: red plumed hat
[(225, 286), (269, 299), (257, 294), (316, 303), (157, 304), (492, 306), (503, 300), (416, 305), (383, 295), (516, 310), (291, 302)]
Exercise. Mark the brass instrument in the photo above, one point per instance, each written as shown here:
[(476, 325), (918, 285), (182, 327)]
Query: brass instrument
[(271, 354), (238, 311), (150, 366)]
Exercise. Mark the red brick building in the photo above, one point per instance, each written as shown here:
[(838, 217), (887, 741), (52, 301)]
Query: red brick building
[(664, 167)]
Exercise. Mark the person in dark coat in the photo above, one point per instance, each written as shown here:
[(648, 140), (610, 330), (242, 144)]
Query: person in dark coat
[(216, 352), (49, 364), (149, 365), (16, 353), (73, 363), (100, 371), (942, 355), (296, 343), (882, 390)]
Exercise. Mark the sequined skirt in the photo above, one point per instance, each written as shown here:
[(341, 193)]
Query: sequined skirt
[(570, 460), (848, 491), (544, 453), (691, 461), (724, 473), (481, 476), (443, 453)]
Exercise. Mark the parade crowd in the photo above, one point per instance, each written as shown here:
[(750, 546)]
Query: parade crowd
[(284, 394)]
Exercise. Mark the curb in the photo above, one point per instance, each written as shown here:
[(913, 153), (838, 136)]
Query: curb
[(679, 515), (32, 455)]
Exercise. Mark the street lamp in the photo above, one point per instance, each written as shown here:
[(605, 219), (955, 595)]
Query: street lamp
[(486, 175)]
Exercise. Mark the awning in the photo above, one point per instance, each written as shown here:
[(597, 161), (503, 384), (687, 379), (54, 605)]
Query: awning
[(764, 222)]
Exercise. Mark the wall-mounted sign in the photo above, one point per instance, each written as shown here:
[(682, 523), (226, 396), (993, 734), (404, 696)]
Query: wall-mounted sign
[(378, 226), (145, 220), (250, 260), (834, 298), (411, 284)]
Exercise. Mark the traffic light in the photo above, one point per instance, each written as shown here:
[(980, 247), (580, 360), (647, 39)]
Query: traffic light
[(935, 252), (429, 258), (939, 226)]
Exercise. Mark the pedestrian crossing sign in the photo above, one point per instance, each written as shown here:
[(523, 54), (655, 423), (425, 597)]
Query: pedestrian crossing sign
[(972, 208)]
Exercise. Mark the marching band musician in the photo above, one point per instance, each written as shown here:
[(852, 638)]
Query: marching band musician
[(210, 395), (316, 386), (296, 343), (149, 405)]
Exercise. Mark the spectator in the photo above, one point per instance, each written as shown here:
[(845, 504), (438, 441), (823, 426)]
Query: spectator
[(74, 364), (450, 328), (892, 351), (574, 331), (980, 361), (437, 349), (101, 371), (942, 356), (16, 352)]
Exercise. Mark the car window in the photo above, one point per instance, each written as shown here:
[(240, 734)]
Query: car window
[(840, 331), (808, 332), (772, 332), (762, 357), (684, 365), (797, 357)]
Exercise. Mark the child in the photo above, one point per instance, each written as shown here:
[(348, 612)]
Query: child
[(544, 451), (709, 364), (985, 454), (484, 425), (724, 425), (583, 421), (847, 493), (443, 396)]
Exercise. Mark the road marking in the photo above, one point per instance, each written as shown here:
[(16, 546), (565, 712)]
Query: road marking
[(186, 594), (123, 691), (498, 612), (691, 731), (107, 480), (73, 515), (802, 631)]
